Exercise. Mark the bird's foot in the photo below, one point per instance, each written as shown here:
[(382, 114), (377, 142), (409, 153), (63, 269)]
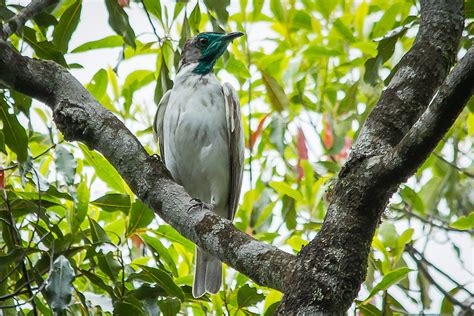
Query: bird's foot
[(155, 157), (197, 203)]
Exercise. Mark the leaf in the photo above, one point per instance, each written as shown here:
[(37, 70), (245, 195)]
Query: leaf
[(388, 280), (171, 234), (113, 202), (118, 20), (247, 296), (106, 42), (59, 287), (129, 307), (411, 197), (302, 151), (342, 29), (278, 10), (12, 256), (65, 164), (194, 19), (386, 22), (286, 189), (154, 7), (156, 245), (297, 243), (256, 134), (169, 306), (81, 206), (220, 8), (14, 134), (43, 49), (100, 283), (161, 278), (67, 24), (98, 233), (140, 216), (464, 222), (275, 92), (134, 81), (103, 169), (98, 85)]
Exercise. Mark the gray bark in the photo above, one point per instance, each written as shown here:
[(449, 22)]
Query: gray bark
[(325, 277)]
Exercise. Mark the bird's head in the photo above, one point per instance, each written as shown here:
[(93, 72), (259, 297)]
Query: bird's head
[(205, 49)]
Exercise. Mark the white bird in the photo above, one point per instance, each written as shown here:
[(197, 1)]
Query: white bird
[(199, 127)]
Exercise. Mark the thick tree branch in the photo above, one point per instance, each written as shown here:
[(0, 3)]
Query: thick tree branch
[(80, 117), (331, 268), (423, 137), (18, 21), (420, 72)]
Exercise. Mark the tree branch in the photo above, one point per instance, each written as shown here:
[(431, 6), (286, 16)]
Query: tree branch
[(81, 118), (18, 21), (423, 137), (420, 72)]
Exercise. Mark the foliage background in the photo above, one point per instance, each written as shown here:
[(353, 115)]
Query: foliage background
[(308, 73)]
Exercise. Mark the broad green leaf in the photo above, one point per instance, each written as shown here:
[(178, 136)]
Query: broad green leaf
[(96, 280), (11, 257), (156, 245), (98, 85), (296, 242), (140, 216), (220, 8), (163, 279), (286, 189), (98, 233), (247, 296), (194, 19), (464, 222), (67, 24), (134, 81), (317, 51), (168, 232), (81, 206), (388, 280), (106, 42), (113, 202), (389, 235), (154, 7), (65, 164), (411, 197), (342, 29), (237, 68), (169, 306), (278, 11), (43, 49), (118, 20), (387, 21), (59, 287), (103, 169), (14, 134), (276, 94), (129, 307)]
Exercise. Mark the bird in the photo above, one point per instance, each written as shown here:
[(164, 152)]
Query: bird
[(198, 126)]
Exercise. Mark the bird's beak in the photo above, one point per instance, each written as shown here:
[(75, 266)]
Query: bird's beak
[(231, 36)]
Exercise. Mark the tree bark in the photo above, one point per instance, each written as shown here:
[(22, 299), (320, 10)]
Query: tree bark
[(325, 277)]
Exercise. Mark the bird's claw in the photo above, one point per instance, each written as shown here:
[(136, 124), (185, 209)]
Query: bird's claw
[(195, 203)]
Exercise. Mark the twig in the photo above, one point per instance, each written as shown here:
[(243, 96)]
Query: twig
[(467, 173), (17, 22), (412, 251), (150, 21), (34, 158), (450, 297)]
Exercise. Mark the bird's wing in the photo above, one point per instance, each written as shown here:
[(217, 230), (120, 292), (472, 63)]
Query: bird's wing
[(158, 123), (236, 146)]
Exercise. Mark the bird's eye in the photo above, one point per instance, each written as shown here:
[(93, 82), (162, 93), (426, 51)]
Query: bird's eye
[(202, 41)]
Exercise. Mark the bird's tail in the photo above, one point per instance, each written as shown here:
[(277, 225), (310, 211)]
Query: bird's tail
[(207, 274)]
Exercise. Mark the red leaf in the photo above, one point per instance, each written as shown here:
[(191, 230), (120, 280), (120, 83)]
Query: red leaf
[(328, 136), (302, 151), (123, 3), (344, 153), (2, 179), (258, 132), (137, 242)]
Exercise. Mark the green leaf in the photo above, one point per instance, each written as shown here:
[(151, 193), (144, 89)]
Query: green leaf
[(13, 133), (96, 280), (134, 81), (317, 51), (162, 278), (388, 280), (195, 18), (276, 94), (342, 29), (169, 233), (157, 246), (237, 68), (220, 8), (103, 169), (81, 206), (169, 306), (12, 256), (98, 85), (154, 7), (106, 42), (387, 21), (67, 24), (43, 49), (248, 296), (129, 307), (59, 288), (464, 222), (278, 11), (98, 234), (113, 202), (412, 198), (140, 216), (286, 189), (65, 164), (118, 20)]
